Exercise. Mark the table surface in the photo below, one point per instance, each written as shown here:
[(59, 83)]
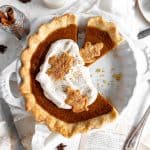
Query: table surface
[(36, 8)]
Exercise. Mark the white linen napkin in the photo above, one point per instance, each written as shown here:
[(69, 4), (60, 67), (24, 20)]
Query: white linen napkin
[(114, 134)]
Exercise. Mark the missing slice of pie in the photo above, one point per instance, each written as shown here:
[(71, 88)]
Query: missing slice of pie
[(62, 119)]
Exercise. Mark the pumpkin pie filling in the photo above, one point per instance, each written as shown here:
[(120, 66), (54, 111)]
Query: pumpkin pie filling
[(99, 107)]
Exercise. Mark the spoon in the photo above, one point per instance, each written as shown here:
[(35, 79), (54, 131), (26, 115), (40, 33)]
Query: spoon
[(133, 140)]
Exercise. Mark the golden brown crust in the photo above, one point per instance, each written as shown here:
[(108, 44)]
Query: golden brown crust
[(100, 23), (68, 129), (55, 124)]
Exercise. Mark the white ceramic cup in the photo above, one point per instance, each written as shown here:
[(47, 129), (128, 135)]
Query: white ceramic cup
[(55, 3)]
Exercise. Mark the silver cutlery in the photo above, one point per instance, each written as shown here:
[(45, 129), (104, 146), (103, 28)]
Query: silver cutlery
[(143, 33), (11, 125), (133, 141), (144, 7)]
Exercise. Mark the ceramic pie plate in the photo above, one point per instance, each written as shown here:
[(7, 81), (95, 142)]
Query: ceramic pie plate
[(114, 74)]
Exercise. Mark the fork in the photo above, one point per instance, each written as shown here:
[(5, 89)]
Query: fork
[(134, 138)]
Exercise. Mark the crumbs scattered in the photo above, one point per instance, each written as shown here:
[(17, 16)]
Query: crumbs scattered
[(104, 81), (99, 70), (101, 75), (117, 77), (112, 69)]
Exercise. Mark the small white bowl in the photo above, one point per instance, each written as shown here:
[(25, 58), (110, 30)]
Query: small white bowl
[(144, 6), (55, 3)]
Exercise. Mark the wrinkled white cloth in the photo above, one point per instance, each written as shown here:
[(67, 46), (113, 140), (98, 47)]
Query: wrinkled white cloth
[(38, 137)]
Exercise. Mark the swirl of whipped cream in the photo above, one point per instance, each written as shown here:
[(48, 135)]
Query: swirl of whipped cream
[(78, 76)]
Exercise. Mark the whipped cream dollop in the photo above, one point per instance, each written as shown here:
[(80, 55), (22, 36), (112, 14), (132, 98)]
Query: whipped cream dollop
[(78, 77)]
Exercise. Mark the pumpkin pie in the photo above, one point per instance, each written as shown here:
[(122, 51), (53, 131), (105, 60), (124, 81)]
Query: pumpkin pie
[(99, 34)]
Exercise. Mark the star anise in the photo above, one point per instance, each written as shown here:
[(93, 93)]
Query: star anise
[(61, 146), (3, 48), (25, 1)]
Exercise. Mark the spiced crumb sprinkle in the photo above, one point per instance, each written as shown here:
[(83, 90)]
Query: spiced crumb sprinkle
[(117, 77), (61, 146), (3, 48)]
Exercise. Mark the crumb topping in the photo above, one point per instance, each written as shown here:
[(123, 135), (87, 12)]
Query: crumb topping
[(60, 65), (118, 76), (76, 100), (90, 52)]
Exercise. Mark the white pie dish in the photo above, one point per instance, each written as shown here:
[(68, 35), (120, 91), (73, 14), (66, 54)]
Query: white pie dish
[(120, 61)]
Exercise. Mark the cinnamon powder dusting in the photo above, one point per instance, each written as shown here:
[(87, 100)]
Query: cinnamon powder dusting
[(76, 100), (60, 65)]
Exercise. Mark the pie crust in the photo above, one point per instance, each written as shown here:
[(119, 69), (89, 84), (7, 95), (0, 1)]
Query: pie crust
[(55, 124), (103, 25)]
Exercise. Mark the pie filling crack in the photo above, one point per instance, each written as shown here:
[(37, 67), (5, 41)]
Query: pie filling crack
[(101, 37)]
